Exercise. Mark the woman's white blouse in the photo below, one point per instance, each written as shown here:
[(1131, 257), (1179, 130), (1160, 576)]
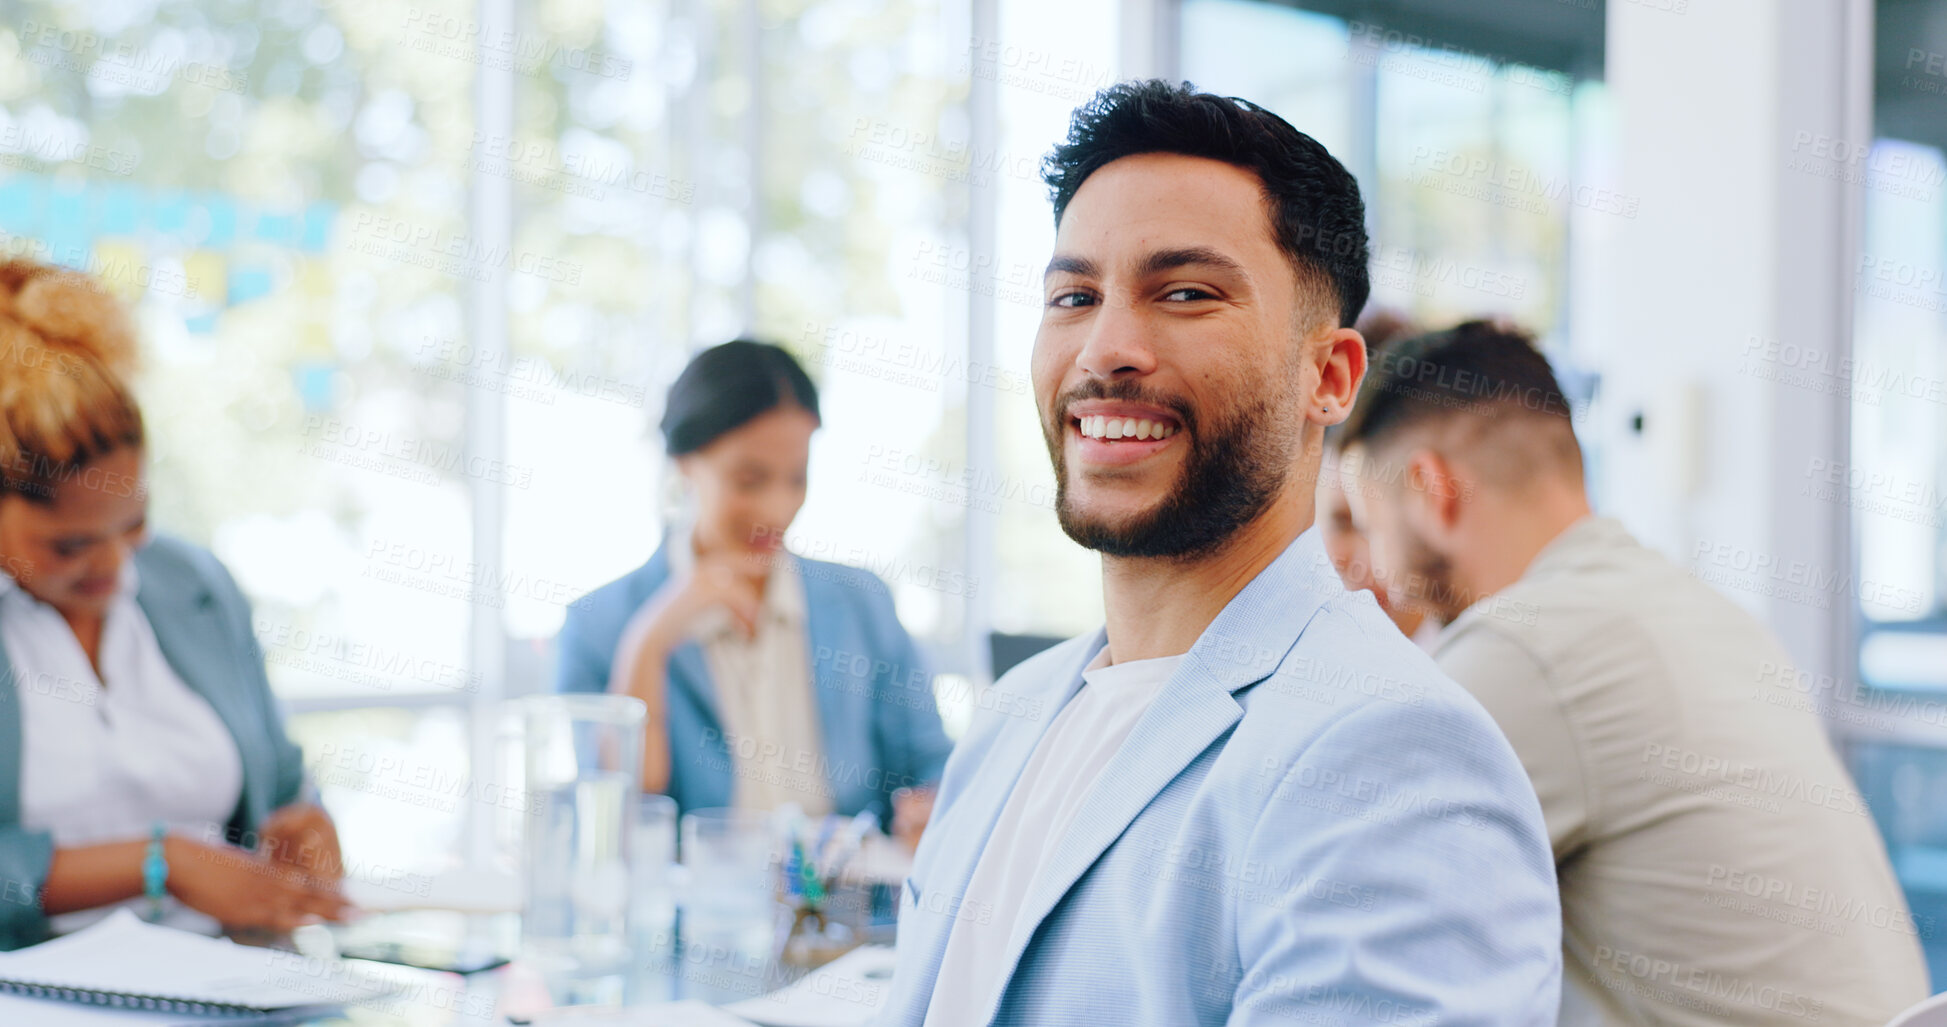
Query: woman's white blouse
[(104, 758)]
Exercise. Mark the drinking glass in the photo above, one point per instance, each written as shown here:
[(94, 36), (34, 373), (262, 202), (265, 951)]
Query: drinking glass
[(732, 860), (583, 772), (652, 885)]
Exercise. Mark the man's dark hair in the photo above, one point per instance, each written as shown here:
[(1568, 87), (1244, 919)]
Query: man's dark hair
[(1316, 215), (726, 387), (1489, 373)]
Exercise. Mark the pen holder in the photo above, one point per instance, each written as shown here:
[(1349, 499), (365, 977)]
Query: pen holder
[(818, 934), (828, 914)]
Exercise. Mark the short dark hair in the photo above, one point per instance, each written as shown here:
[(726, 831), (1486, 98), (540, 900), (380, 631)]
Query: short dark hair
[(726, 387), (1477, 368), (1316, 215)]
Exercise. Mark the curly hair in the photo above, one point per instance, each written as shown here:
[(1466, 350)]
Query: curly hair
[(1316, 214), (66, 349)]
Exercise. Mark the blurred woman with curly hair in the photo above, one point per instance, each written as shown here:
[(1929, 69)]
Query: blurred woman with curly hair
[(142, 758)]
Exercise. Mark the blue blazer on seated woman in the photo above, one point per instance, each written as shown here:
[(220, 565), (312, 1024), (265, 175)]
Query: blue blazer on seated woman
[(769, 679), (878, 726), (202, 623)]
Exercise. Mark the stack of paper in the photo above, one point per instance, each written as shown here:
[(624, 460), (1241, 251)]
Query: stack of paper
[(124, 963), (52, 1012)]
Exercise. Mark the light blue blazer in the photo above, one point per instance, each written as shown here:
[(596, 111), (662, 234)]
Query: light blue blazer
[(202, 623), (878, 724), (1309, 824)]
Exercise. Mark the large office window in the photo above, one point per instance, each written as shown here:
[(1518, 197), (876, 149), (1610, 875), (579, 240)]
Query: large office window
[(412, 282), (1895, 715), (275, 189)]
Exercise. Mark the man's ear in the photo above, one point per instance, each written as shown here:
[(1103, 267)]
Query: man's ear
[(1341, 363), (1434, 489)]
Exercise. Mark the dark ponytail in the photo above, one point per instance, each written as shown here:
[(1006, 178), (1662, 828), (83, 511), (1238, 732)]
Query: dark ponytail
[(726, 387)]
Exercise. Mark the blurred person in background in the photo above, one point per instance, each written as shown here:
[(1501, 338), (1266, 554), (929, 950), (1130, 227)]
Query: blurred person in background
[(1717, 865), (134, 705), (1344, 546), (769, 678)]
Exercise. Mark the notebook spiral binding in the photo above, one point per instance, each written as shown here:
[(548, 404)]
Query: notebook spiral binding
[(130, 1000)]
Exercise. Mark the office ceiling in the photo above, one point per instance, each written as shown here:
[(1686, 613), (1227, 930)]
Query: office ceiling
[(1910, 71), (1560, 35), (1910, 46)]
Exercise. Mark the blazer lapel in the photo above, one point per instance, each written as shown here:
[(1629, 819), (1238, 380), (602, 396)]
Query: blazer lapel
[(1247, 641)]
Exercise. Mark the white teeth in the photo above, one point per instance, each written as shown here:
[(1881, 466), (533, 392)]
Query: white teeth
[(1104, 427)]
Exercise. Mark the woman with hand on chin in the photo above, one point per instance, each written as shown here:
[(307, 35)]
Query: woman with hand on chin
[(769, 678), (142, 758)]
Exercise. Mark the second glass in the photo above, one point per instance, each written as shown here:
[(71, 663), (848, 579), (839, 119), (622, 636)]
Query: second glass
[(732, 860)]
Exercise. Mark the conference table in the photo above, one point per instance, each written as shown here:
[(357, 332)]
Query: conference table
[(662, 969)]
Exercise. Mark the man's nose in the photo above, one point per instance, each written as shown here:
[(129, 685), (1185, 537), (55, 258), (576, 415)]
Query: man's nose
[(108, 559), (1117, 343)]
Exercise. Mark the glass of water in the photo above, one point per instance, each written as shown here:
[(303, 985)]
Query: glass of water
[(652, 872), (732, 859), (582, 766)]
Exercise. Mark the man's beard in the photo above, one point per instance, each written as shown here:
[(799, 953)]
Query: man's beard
[(1232, 472), (1430, 582)]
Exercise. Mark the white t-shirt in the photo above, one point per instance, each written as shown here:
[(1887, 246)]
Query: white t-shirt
[(104, 763), (1057, 779)]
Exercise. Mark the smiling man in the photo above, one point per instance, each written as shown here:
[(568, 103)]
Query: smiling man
[(1247, 799)]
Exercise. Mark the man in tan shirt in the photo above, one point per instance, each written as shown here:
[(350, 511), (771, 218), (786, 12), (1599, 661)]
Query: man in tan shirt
[(1717, 865)]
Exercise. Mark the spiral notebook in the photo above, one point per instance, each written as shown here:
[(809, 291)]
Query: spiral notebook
[(126, 963)]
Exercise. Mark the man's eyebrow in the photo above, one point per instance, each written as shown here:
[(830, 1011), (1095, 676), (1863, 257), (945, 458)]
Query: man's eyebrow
[(1170, 260), (1153, 263), (1071, 265)]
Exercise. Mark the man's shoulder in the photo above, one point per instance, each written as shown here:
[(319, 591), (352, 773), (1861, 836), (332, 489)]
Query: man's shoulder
[(1352, 666), (1350, 655), (1631, 608)]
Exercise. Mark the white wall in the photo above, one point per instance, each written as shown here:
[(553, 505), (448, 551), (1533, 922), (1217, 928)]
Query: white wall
[(1733, 249)]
